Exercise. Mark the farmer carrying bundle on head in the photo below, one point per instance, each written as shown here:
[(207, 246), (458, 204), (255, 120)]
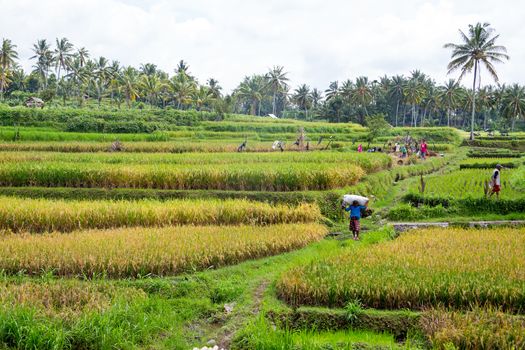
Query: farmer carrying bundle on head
[(355, 209), (496, 181)]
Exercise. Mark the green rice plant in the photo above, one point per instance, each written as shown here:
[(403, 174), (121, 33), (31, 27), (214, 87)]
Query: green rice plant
[(263, 177), (454, 268), (490, 163), (41, 215), (134, 252), (370, 162), (174, 146), (470, 183), (493, 153)]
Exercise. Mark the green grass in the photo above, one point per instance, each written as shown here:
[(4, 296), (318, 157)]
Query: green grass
[(259, 335)]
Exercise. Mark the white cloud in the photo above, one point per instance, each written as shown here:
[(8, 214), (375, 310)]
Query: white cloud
[(317, 41)]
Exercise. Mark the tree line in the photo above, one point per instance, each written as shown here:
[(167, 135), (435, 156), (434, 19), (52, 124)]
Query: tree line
[(70, 76)]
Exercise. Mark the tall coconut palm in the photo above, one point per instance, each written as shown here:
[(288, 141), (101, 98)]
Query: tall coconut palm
[(513, 104), (5, 80), (8, 57), (101, 78), (82, 55), (182, 67), (414, 92), (129, 80), (182, 86), (251, 90), (346, 90), (214, 87), (114, 86), (450, 95), (63, 55), (332, 91), (8, 54), (477, 49), (202, 97), (395, 91), (148, 69), (303, 98), (317, 97), (485, 99), (44, 56), (151, 86), (362, 94), (276, 82)]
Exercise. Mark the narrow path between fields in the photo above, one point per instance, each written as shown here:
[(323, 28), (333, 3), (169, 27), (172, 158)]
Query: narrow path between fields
[(226, 338)]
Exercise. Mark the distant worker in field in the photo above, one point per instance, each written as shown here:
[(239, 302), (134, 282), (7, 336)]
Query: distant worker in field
[(355, 217), (424, 150), (360, 148), (496, 181), (403, 150)]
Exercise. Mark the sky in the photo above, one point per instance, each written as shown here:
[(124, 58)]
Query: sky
[(317, 41)]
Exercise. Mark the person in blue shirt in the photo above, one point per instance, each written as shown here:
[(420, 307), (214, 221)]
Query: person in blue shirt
[(355, 216)]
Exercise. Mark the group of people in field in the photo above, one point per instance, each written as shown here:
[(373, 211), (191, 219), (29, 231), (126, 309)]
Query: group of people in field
[(403, 149)]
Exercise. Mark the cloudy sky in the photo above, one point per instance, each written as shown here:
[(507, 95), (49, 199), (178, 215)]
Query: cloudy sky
[(317, 41)]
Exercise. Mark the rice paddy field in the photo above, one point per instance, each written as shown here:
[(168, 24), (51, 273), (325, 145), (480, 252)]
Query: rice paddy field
[(171, 239), (455, 268), (469, 183)]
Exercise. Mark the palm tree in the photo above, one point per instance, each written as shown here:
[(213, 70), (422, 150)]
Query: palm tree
[(62, 55), (8, 56), (450, 95), (80, 77), (5, 80), (151, 86), (82, 55), (129, 81), (251, 91), (276, 83), (148, 69), (317, 97), (346, 90), (485, 100), (303, 98), (362, 94), (101, 78), (44, 57), (513, 103), (182, 87), (215, 88), (332, 91), (395, 91), (182, 67), (477, 49), (202, 96), (115, 87), (414, 92)]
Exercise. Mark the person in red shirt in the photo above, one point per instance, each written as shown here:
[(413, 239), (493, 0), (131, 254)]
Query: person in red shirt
[(423, 149)]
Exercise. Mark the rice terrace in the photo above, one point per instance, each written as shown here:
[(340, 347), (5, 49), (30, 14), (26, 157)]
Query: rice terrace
[(144, 206)]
